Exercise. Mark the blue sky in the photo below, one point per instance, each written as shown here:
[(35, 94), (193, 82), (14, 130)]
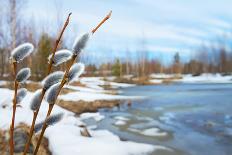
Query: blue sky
[(166, 26)]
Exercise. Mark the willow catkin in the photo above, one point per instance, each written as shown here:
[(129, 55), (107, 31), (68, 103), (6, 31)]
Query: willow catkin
[(52, 79), (53, 119), (60, 57), (35, 100), (52, 93), (80, 43), (21, 94), (23, 75), (22, 51), (75, 71)]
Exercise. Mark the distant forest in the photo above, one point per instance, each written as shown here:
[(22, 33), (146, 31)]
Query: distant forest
[(14, 31)]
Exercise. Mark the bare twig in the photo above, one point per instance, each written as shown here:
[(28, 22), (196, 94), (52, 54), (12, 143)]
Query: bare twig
[(63, 82), (43, 91)]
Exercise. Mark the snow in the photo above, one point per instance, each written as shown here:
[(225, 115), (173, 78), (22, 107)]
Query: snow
[(154, 132), (156, 81), (188, 78), (2, 83), (96, 116), (87, 96), (120, 122), (161, 76), (85, 89), (121, 118), (97, 82), (206, 78), (64, 137)]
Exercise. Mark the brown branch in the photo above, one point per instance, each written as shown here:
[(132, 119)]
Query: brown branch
[(103, 21), (33, 125), (43, 91), (57, 43), (63, 82), (11, 142)]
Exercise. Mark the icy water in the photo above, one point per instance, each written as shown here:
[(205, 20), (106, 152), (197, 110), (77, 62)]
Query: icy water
[(189, 119)]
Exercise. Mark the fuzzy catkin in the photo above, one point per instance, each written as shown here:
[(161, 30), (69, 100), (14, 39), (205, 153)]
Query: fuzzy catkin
[(60, 57), (35, 100), (22, 51), (23, 75), (75, 71), (38, 127), (80, 43), (52, 93), (53, 119), (21, 94), (52, 79)]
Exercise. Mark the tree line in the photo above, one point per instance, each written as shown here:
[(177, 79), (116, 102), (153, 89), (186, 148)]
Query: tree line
[(14, 30)]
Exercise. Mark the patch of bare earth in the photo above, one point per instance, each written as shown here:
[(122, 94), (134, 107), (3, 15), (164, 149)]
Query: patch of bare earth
[(20, 137), (79, 107)]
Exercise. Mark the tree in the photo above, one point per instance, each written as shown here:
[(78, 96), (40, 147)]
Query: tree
[(44, 48), (176, 64), (116, 68)]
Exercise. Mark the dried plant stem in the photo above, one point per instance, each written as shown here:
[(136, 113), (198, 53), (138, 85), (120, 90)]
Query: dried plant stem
[(64, 80), (43, 91), (14, 110)]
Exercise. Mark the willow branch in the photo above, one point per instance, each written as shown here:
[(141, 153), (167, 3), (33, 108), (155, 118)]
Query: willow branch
[(63, 82), (102, 22), (11, 142), (57, 43), (44, 91)]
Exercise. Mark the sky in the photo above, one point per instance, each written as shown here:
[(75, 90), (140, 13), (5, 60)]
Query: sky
[(161, 27)]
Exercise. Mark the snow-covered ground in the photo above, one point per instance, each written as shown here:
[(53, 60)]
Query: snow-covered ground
[(188, 78), (97, 82), (93, 90), (65, 137), (206, 78)]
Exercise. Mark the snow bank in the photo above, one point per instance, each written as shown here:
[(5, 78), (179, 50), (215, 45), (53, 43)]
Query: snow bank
[(188, 78), (76, 96), (64, 137), (206, 78), (161, 76), (97, 82)]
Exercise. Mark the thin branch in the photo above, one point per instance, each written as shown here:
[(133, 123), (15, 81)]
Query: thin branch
[(57, 43), (43, 91), (102, 22), (14, 110), (63, 82)]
